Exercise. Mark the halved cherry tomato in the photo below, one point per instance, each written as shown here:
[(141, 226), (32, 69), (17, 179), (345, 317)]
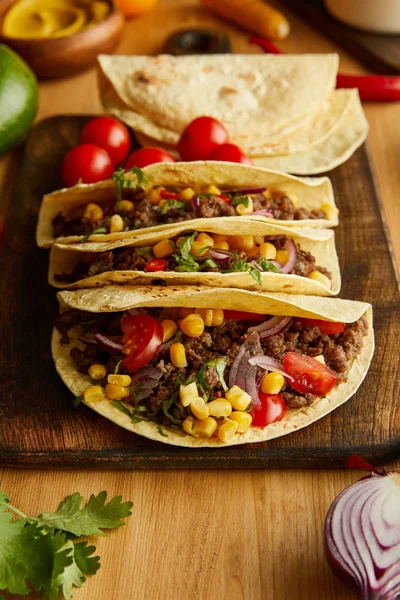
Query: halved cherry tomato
[(309, 375), (87, 163), (148, 156), (272, 408), (230, 153), (240, 315), (225, 198), (156, 264), (143, 335), (166, 195), (200, 137), (326, 327), (109, 134)]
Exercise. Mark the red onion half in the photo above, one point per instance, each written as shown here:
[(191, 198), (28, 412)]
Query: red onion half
[(362, 535), (270, 327)]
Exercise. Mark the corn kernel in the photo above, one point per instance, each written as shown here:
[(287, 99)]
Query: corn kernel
[(169, 329), (93, 212), (220, 408), (221, 245), (317, 276), (116, 392), (227, 431), (268, 251), (219, 422), (243, 420), (239, 399), (282, 257), (205, 238), (320, 358), (267, 194), (94, 393), (187, 424), (199, 408), (123, 380), (272, 383), (218, 317), (154, 195), (163, 249), (212, 189), (204, 428), (221, 237), (245, 209), (187, 194), (126, 206), (188, 393), (331, 212), (178, 356), (97, 372), (199, 249), (245, 242), (116, 224), (206, 314), (192, 325)]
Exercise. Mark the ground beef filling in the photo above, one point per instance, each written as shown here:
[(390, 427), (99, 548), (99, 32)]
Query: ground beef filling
[(146, 214), (338, 350)]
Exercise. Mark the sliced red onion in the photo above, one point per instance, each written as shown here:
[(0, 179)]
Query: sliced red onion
[(108, 344), (269, 364), (242, 374), (88, 339), (264, 212), (362, 535), (251, 339), (257, 266), (270, 327), (195, 202), (220, 255), (251, 384), (290, 247), (249, 190)]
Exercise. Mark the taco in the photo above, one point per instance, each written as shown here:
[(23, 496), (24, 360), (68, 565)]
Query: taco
[(250, 255), (166, 193), (196, 368)]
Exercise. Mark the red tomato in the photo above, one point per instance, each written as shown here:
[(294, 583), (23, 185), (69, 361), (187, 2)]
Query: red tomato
[(230, 153), (109, 134), (156, 264), (166, 195), (143, 335), (224, 198), (272, 408), (200, 137), (309, 375), (239, 315), (326, 327), (87, 163), (147, 156)]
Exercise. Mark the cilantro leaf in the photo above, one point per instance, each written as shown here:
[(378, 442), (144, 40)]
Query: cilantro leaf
[(121, 407), (121, 182), (266, 265), (241, 200), (96, 514), (220, 366), (172, 204), (88, 564), (143, 250), (241, 265), (75, 573), (98, 230), (78, 400), (141, 177), (256, 275)]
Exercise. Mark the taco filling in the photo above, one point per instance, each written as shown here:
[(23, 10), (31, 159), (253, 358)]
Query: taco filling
[(207, 253), (208, 372), (137, 208)]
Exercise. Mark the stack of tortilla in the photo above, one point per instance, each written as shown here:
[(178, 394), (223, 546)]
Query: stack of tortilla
[(283, 111)]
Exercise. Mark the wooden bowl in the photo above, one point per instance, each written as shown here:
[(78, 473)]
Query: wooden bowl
[(62, 57)]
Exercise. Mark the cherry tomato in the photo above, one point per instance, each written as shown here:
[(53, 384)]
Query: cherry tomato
[(148, 156), (156, 264), (200, 137), (109, 134), (309, 375), (239, 315), (326, 327), (230, 153), (272, 408), (143, 335), (87, 163), (166, 195)]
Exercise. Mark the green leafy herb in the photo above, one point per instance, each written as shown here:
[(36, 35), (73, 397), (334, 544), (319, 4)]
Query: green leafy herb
[(266, 265), (166, 405), (144, 250), (209, 264), (184, 259), (38, 549), (161, 431), (78, 400), (132, 415), (220, 366), (241, 265), (241, 200), (116, 368), (121, 182), (172, 204), (141, 177), (98, 230)]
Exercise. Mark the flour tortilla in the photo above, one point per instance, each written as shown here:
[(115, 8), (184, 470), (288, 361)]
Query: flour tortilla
[(256, 96), (319, 242), (122, 298), (310, 193)]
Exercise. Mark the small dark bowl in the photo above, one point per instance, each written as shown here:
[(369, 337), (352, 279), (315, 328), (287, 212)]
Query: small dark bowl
[(62, 57)]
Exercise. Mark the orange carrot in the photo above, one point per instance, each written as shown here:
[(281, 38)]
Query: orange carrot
[(254, 15)]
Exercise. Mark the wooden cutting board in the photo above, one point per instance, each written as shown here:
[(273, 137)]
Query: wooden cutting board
[(39, 425)]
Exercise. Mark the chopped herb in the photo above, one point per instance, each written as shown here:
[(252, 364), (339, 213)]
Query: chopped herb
[(78, 400), (141, 177), (209, 263), (121, 407), (121, 182), (241, 200), (161, 432), (172, 204), (179, 335), (116, 368), (220, 366), (99, 230), (166, 405), (201, 375), (242, 265), (184, 259), (144, 250), (266, 265)]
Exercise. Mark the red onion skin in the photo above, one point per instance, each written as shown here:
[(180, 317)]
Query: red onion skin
[(264, 212), (195, 202), (290, 247)]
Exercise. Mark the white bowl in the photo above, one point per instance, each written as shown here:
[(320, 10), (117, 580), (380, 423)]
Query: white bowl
[(381, 16)]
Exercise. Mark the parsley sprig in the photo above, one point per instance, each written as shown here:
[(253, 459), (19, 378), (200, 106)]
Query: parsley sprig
[(40, 549)]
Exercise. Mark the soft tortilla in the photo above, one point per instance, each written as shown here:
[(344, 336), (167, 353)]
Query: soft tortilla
[(116, 299), (319, 242), (311, 193)]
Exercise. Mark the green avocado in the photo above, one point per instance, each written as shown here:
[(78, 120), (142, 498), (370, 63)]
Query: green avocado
[(18, 98)]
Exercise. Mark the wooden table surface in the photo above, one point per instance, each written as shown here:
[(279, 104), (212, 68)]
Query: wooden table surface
[(209, 534)]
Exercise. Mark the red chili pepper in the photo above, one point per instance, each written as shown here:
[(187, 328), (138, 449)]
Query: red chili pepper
[(166, 195), (156, 264), (370, 87), (224, 198)]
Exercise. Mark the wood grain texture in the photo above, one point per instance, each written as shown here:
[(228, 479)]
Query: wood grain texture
[(271, 545)]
